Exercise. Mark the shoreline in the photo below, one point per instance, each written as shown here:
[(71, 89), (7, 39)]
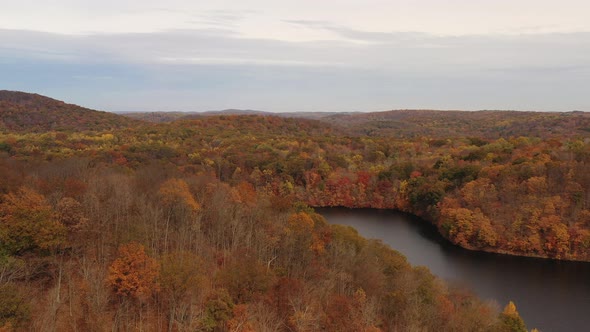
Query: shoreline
[(470, 248)]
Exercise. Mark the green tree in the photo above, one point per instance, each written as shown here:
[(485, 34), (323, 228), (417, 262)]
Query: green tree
[(218, 310)]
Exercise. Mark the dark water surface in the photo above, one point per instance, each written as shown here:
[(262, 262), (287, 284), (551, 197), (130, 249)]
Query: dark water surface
[(549, 295)]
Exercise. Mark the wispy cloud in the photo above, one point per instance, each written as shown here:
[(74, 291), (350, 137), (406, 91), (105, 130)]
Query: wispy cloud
[(362, 35), (222, 19)]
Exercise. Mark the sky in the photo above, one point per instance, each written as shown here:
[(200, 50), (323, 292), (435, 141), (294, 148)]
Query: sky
[(363, 55)]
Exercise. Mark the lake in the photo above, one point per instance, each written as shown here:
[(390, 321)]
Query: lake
[(549, 295)]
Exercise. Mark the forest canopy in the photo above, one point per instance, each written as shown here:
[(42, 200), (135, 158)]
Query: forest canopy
[(208, 223)]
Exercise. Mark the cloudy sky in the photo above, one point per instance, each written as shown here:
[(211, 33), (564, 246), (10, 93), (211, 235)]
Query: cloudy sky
[(362, 55)]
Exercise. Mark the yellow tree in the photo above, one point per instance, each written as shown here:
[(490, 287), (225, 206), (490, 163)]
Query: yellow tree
[(175, 192), (485, 234), (459, 224), (557, 238), (511, 320)]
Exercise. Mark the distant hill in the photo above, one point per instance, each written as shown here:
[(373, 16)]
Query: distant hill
[(415, 123), (445, 124), (28, 112), (302, 115), (233, 111), (157, 117), (313, 115), (160, 117), (232, 126)]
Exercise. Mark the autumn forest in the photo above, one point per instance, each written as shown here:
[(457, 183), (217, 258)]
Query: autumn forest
[(206, 222)]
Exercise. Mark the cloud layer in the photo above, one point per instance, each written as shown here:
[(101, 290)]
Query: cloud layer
[(344, 68)]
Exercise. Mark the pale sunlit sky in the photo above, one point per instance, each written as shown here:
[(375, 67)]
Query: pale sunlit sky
[(299, 55)]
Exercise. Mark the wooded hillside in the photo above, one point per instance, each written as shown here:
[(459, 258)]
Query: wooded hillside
[(26, 112), (208, 224)]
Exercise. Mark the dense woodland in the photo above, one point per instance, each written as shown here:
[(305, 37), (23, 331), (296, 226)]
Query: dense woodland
[(111, 223)]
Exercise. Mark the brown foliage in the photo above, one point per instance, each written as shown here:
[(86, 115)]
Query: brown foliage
[(175, 192), (133, 273), (27, 222)]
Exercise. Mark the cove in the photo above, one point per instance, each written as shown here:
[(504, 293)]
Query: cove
[(550, 295)]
